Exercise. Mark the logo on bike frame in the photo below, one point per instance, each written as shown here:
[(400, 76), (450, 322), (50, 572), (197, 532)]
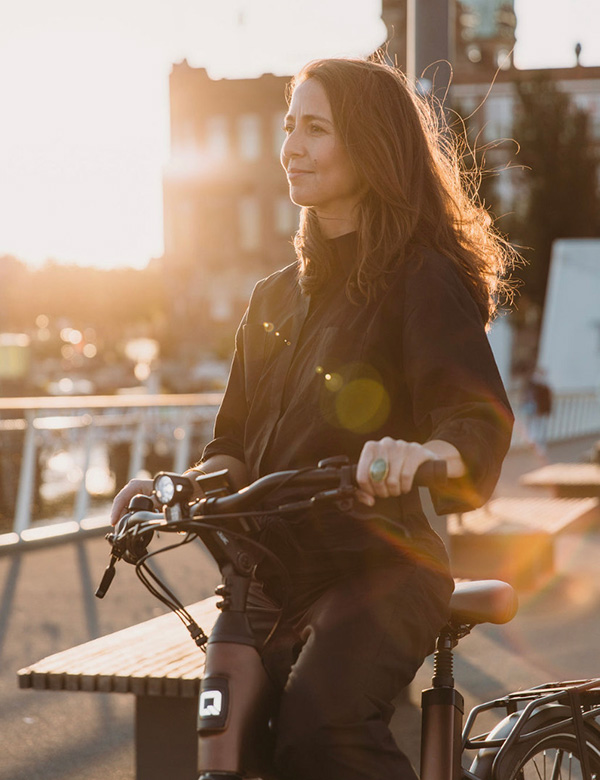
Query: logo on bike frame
[(211, 703)]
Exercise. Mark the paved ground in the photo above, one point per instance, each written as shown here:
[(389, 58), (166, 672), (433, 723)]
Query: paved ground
[(47, 604)]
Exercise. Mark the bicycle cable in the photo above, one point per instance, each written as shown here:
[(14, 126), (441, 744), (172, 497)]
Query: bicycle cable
[(145, 575), (163, 593)]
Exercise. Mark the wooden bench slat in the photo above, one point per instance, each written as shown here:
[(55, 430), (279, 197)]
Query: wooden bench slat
[(56, 683), (72, 682), (155, 661), (563, 473), (514, 515), (138, 686), (188, 688), (157, 655), (39, 681), (120, 684), (87, 683)]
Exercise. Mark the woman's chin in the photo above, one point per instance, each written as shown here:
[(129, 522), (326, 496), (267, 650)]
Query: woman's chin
[(299, 198)]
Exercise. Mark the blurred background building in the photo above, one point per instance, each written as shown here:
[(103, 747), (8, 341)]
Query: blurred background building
[(228, 219)]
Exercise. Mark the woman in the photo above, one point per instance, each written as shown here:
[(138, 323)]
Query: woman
[(372, 345)]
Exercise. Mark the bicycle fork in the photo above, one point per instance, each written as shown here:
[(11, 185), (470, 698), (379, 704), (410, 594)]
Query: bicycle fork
[(443, 708)]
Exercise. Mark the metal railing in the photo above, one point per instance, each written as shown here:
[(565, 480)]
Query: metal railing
[(573, 415), (30, 427), (182, 424)]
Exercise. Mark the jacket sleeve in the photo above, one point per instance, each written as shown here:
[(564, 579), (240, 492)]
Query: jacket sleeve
[(455, 388), (231, 418)]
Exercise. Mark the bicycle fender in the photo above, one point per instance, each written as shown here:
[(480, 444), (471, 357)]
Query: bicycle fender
[(483, 763)]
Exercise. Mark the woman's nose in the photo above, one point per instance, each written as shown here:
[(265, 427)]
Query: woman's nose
[(290, 148)]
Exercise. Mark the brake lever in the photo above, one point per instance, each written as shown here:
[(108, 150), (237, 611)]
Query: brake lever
[(107, 577), (118, 541), (118, 549)]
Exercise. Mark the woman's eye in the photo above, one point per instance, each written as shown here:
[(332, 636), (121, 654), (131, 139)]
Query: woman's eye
[(287, 129), (316, 129)]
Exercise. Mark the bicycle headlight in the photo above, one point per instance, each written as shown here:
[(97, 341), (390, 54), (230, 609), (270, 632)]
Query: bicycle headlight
[(171, 489)]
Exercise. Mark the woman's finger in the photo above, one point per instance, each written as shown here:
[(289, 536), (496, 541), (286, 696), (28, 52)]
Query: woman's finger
[(124, 496), (364, 498), (374, 465)]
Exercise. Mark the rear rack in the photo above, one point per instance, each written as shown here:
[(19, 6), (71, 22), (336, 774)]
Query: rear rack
[(581, 696)]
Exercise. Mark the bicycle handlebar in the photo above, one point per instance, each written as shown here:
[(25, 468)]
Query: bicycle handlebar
[(135, 530), (432, 473)]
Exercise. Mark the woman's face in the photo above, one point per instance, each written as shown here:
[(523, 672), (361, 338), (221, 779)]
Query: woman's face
[(318, 167)]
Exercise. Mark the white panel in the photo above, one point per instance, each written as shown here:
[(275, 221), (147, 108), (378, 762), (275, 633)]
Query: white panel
[(570, 337)]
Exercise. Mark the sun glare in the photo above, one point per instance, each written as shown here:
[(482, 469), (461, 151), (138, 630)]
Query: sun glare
[(84, 100), (81, 157)]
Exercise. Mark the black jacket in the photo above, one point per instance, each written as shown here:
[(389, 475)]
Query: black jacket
[(318, 376)]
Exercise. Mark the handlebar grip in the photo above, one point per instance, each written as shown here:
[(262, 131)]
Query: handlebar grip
[(431, 473)]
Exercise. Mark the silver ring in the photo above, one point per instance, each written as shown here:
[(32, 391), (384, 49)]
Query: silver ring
[(379, 469)]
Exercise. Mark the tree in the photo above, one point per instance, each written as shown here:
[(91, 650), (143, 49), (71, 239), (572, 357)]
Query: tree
[(560, 196)]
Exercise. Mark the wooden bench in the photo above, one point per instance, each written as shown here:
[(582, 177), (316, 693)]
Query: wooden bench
[(159, 663), (512, 539), (566, 480)]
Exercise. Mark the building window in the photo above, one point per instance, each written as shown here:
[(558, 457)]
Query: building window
[(216, 137), (249, 136), (591, 105), (249, 223), (499, 118), (505, 190), (286, 216), (278, 132)]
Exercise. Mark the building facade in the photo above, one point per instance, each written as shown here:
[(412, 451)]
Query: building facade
[(225, 193), (494, 107), (228, 219)]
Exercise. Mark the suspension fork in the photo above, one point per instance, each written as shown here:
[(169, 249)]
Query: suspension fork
[(443, 708)]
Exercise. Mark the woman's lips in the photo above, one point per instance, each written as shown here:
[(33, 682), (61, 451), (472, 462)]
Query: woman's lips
[(296, 174)]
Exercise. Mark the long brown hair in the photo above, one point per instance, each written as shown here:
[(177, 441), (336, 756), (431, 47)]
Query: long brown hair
[(416, 193)]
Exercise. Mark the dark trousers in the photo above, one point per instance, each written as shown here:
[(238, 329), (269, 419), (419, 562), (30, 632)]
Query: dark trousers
[(339, 657)]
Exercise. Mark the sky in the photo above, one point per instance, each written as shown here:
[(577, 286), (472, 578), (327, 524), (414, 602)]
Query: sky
[(84, 100)]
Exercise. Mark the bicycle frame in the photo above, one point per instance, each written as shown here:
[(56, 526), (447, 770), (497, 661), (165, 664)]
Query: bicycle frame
[(235, 692), (236, 696)]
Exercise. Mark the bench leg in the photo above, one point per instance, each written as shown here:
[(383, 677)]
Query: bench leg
[(166, 739)]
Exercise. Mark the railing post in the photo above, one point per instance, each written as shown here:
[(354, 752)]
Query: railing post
[(136, 460), (183, 440), (83, 497), (26, 477)]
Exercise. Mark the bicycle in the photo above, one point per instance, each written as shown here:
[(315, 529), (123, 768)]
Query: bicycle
[(547, 731)]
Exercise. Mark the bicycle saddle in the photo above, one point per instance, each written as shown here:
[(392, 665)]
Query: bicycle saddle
[(483, 601)]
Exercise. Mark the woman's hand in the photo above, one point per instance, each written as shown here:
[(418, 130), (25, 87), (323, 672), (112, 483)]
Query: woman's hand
[(124, 496), (237, 474), (387, 467)]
